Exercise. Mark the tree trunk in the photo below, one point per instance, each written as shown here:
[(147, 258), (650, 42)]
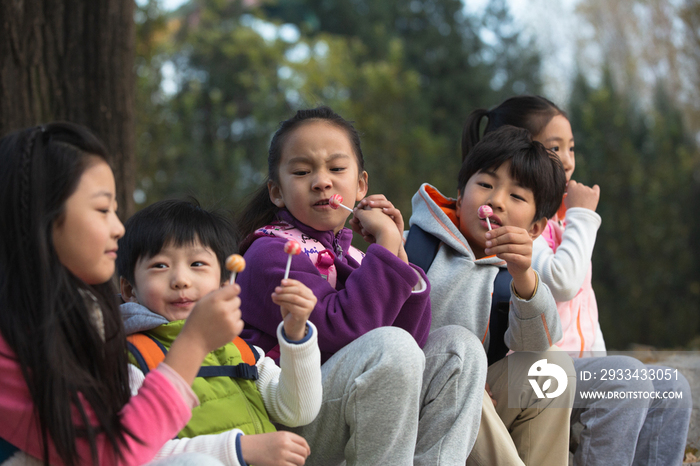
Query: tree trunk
[(72, 60)]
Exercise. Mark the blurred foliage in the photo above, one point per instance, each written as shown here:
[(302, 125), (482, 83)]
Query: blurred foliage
[(647, 45), (216, 77), (407, 73), (645, 271)]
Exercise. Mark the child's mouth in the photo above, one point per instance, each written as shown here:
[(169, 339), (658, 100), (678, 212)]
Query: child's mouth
[(495, 222), (182, 302)]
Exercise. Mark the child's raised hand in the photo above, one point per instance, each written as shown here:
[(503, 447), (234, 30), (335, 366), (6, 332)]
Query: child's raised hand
[(275, 449), (214, 321), (374, 224), (296, 302), (377, 201), (580, 195), (514, 245)]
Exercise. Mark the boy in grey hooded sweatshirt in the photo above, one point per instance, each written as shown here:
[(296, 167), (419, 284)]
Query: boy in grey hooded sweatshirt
[(523, 184)]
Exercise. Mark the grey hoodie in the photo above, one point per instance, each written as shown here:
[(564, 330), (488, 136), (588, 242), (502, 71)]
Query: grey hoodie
[(461, 286), (138, 318)]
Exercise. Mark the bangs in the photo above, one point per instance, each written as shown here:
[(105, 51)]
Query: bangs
[(531, 166), (527, 167), (174, 223)]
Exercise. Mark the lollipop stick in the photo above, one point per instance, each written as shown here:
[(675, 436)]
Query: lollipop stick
[(289, 264), (232, 279), (488, 223), (345, 207)]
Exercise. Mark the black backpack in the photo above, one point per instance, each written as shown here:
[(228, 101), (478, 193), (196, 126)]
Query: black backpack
[(422, 247)]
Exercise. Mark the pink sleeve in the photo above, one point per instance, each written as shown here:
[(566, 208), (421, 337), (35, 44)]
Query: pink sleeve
[(154, 416)]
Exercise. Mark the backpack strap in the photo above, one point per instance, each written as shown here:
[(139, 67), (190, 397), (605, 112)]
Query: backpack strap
[(248, 352), (246, 370), (498, 322), (149, 352), (421, 247)]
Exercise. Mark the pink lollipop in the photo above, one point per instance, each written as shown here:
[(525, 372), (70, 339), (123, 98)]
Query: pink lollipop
[(336, 201), (292, 248), (485, 212)]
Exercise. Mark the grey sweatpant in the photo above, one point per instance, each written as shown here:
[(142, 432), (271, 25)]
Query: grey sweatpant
[(386, 402), (639, 432)]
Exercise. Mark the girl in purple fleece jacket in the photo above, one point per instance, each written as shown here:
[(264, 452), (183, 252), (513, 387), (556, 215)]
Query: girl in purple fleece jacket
[(385, 401)]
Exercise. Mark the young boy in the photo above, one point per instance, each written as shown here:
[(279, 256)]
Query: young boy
[(173, 254), (523, 184)]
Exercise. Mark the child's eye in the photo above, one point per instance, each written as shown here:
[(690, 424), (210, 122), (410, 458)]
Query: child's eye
[(159, 265), (198, 264), (555, 148), (572, 149), (300, 172), (518, 197), (337, 169), (484, 185)]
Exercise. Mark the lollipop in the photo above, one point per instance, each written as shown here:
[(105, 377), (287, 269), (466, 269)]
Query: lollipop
[(336, 201), (235, 263), (485, 212), (292, 248)]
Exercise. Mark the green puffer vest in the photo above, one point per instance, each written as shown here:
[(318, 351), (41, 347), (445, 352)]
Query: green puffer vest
[(225, 402)]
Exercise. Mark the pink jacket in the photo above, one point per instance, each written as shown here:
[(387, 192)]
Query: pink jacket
[(155, 416), (579, 315)]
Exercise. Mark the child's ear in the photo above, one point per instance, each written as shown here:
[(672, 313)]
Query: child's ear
[(275, 194), (537, 228), (362, 186), (128, 293), (458, 204)]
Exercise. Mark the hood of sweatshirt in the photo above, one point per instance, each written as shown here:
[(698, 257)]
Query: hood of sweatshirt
[(138, 318), (339, 243), (434, 213)]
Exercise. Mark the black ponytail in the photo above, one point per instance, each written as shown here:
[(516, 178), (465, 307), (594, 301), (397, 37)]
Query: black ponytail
[(531, 112), (470, 133)]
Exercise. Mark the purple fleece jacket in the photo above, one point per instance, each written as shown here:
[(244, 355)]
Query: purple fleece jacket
[(376, 294)]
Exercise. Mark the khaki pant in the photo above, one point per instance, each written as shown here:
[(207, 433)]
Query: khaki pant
[(536, 433)]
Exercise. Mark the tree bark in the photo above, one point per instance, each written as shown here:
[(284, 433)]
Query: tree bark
[(72, 60)]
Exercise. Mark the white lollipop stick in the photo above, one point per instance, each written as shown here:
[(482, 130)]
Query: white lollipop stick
[(289, 265)]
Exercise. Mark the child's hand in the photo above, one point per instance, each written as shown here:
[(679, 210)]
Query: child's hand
[(377, 201), (514, 245), (214, 321), (580, 195), (275, 449), (216, 318), (375, 224), (296, 301)]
